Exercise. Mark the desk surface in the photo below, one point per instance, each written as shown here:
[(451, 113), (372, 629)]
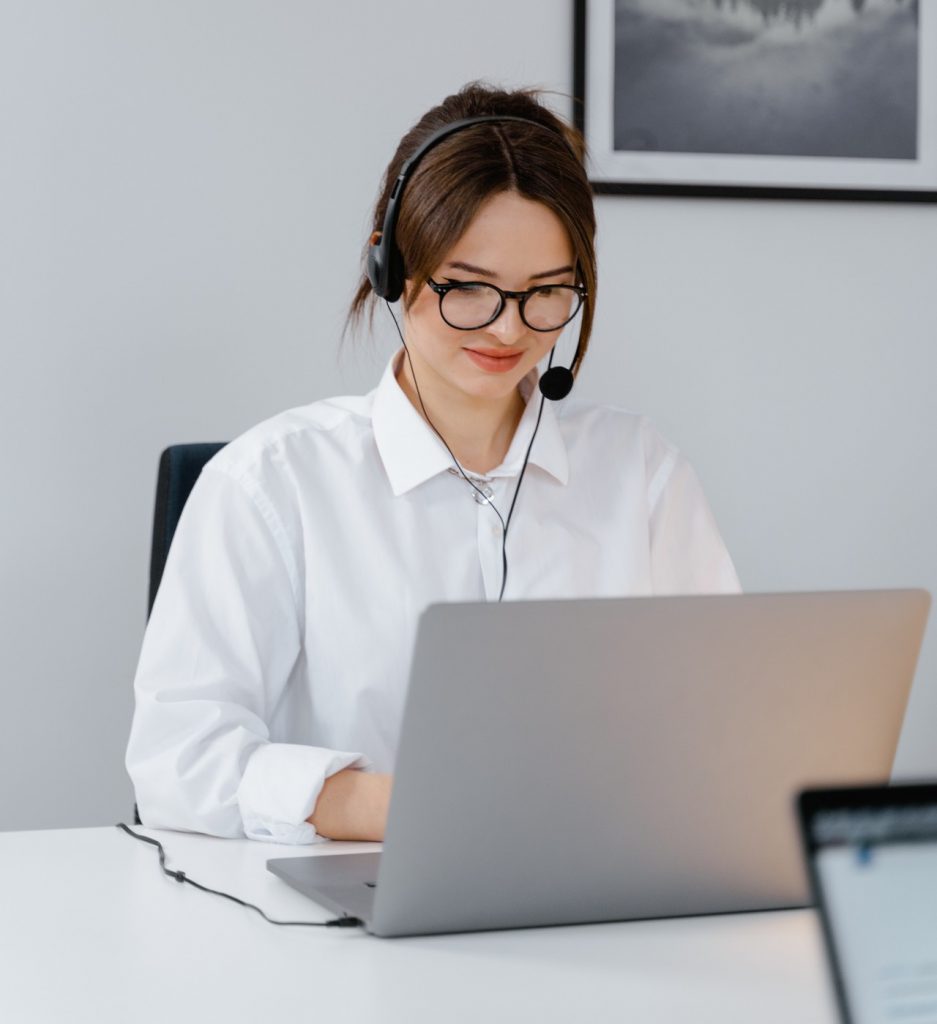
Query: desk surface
[(90, 930)]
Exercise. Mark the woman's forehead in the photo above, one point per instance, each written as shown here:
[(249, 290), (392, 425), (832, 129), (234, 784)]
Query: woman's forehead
[(512, 236)]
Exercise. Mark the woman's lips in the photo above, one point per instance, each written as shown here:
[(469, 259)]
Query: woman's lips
[(494, 363)]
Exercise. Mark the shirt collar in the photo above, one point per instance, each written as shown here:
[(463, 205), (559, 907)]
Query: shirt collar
[(412, 453)]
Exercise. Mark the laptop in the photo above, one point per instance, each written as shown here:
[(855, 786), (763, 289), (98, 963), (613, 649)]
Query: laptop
[(611, 759), (872, 858)]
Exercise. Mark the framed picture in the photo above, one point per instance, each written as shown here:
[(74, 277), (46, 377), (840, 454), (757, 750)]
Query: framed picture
[(810, 99)]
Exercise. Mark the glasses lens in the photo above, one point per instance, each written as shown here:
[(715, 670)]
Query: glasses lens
[(551, 306), (470, 305)]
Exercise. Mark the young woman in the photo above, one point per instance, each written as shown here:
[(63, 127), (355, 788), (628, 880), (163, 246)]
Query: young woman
[(274, 667)]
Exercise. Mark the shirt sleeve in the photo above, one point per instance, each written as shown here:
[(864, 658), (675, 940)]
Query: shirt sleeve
[(222, 641), (688, 555)]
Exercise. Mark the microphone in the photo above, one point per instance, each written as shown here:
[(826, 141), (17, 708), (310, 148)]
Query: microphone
[(556, 383)]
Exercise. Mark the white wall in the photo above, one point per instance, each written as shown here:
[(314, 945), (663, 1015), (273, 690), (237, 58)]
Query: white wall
[(184, 191)]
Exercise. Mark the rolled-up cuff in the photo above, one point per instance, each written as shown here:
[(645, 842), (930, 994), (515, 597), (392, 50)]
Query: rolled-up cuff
[(281, 785)]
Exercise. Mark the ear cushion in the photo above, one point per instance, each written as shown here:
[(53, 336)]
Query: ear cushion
[(385, 271), (375, 270)]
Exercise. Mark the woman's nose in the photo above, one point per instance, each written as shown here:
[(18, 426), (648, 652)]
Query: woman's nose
[(509, 326)]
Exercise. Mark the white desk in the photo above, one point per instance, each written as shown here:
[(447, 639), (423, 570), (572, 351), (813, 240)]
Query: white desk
[(90, 930)]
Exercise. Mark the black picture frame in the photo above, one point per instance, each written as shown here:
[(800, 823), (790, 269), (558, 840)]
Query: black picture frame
[(587, 79)]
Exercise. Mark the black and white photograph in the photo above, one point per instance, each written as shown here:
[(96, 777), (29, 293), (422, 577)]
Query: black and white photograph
[(828, 94)]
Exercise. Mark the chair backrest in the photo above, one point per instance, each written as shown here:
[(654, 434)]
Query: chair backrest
[(179, 467)]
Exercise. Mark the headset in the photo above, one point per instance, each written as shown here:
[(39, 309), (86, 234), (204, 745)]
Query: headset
[(385, 267)]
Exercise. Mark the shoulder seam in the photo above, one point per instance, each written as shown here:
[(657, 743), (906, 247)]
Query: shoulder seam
[(274, 524), (660, 479), (263, 445)]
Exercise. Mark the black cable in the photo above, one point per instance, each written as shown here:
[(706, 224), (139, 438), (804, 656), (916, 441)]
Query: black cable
[(181, 876), (504, 553), (458, 466)]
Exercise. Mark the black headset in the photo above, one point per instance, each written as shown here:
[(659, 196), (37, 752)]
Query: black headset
[(385, 267)]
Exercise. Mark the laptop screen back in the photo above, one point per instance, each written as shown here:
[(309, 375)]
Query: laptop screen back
[(873, 862)]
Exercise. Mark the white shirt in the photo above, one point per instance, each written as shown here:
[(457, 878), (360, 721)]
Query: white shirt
[(278, 649)]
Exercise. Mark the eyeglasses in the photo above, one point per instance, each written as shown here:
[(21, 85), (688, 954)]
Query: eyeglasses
[(470, 305)]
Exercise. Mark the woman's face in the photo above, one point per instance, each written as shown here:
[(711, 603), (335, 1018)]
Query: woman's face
[(514, 243)]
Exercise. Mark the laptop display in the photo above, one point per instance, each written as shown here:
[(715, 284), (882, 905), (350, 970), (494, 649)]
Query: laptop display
[(873, 864)]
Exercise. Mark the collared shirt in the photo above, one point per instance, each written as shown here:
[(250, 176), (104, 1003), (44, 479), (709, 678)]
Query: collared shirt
[(278, 648)]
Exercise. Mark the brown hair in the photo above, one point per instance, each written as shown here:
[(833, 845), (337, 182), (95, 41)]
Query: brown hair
[(456, 177)]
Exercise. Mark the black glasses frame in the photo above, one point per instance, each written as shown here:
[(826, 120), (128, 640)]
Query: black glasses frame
[(442, 290)]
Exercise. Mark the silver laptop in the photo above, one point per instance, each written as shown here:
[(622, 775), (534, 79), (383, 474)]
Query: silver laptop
[(622, 758)]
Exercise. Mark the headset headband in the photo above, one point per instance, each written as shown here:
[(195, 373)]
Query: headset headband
[(385, 267)]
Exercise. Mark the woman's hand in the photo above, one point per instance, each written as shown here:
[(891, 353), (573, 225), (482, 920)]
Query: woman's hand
[(353, 805)]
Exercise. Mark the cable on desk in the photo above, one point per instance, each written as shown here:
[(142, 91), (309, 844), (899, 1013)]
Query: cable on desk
[(181, 876)]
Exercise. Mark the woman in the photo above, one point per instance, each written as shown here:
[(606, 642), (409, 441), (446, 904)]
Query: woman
[(274, 667)]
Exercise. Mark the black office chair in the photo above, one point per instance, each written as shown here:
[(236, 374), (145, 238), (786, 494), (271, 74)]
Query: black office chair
[(179, 467)]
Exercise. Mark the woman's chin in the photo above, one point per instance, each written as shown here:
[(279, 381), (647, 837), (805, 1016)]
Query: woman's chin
[(489, 387)]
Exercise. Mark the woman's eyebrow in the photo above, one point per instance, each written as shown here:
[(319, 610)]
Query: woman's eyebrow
[(551, 273), (472, 269)]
